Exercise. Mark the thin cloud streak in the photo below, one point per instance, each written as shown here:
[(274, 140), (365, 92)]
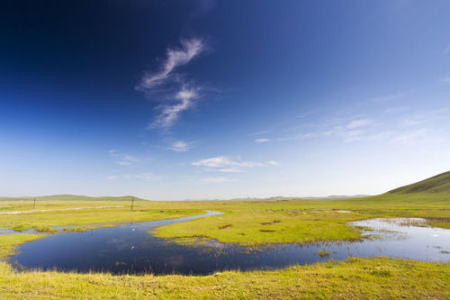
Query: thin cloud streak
[(175, 58), (227, 165), (179, 146), (171, 113), (183, 99), (262, 140), (122, 159), (358, 123)]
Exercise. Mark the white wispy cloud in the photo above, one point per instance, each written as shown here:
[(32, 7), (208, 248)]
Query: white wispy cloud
[(353, 135), (179, 146), (226, 164), (122, 159), (262, 140), (426, 116), (217, 179), (170, 113), (409, 137), (175, 58), (358, 123), (273, 163), (231, 170), (182, 99)]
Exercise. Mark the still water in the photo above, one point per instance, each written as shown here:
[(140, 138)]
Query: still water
[(130, 249)]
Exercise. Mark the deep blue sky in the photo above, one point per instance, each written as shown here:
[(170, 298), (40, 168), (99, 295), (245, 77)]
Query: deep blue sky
[(220, 99)]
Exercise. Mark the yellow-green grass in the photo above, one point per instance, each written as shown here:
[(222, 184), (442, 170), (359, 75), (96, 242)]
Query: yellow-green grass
[(79, 229), (46, 230), (379, 278), (8, 243), (100, 213), (302, 221), (249, 222), (356, 279), (246, 222)]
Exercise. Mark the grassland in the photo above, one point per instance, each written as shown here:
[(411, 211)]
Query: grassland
[(99, 213), (379, 278), (356, 279), (303, 221), (249, 222)]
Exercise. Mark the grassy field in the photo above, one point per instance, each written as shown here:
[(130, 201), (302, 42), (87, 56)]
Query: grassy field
[(98, 213), (302, 221), (378, 278), (250, 222), (356, 279)]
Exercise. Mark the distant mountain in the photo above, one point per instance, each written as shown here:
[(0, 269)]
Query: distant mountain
[(438, 184)]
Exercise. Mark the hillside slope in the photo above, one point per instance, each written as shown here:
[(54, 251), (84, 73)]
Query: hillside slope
[(437, 184)]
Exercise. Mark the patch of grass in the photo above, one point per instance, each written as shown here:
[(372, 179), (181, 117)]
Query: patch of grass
[(79, 229), (46, 230), (21, 227), (323, 253), (355, 279), (8, 243)]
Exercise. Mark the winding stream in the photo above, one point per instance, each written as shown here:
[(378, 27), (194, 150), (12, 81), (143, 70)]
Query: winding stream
[(130, 249)]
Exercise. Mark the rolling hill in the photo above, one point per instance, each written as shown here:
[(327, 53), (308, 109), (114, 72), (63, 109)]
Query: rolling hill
[(439, 184)]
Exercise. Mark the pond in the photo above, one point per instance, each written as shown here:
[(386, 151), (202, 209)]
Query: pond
[(130, 249)]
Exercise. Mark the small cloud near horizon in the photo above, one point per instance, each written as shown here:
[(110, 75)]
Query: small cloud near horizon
[(227, 165), (122, 159), (262, 140), (180, 146)]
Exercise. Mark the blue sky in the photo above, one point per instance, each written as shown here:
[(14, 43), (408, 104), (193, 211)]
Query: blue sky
[(222, 99)]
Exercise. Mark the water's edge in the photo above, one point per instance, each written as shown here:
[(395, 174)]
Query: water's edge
[(130, 249)]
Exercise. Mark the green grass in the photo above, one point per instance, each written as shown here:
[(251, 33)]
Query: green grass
[(323, 253), (79, 229), (8, 243), (46, 230), (355, 279), (248, 222), (70, 213), (378, 278), (303, 221), (436, 184)]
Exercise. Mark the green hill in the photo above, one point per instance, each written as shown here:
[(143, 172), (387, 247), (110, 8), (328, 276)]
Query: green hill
[(439, 184)]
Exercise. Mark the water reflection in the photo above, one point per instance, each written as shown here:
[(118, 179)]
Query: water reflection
[(130, 249)]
